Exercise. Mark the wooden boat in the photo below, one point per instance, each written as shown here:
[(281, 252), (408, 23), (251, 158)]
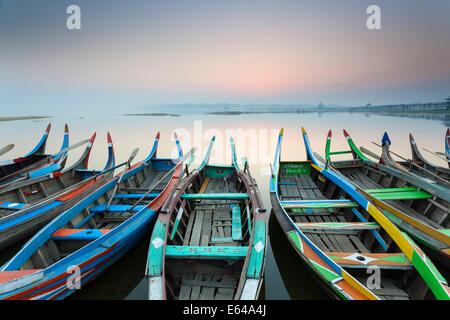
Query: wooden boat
[(209, 240), (36, 163), (28, 205), (90, 236), (418, 159), (35, 155), (343, 237), (415, 205), (410, 167)]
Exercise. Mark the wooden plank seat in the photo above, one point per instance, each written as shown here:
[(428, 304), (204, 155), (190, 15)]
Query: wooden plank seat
[(215, 196), (319, 204), (79, 234), (135, 196), (216, 252), (116, 208), (362, 260), (399, 193), (339, 225)]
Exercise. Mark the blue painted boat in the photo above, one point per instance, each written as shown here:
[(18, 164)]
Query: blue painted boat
[(27, 205), (209, 240), (90, 236), (36, 163)]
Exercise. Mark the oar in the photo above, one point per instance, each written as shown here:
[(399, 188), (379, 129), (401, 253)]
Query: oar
[(369, 153), (6, 149), (186, 156), (133, 154), (434, 154), (443, 154), (74, 146), (416, 165)]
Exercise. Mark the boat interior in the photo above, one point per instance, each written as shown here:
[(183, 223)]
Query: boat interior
[(346, 233), (399, 194), (209, 234), (99, 218)]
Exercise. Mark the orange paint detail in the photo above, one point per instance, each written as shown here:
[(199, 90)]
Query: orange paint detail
[(6, 276), (310, 254), (351, 291), (76, 191)]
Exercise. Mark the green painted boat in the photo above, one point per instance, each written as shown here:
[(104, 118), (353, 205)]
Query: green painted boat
[(209, 241), (351, 248), (418, 206)]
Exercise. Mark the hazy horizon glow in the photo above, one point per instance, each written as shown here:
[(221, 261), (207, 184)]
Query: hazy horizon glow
[(150, 52)]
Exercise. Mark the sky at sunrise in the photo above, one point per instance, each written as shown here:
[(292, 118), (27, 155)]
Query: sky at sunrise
[(133, 53)]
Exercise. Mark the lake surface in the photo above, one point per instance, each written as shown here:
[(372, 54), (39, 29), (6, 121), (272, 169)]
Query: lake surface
[(286, 277)]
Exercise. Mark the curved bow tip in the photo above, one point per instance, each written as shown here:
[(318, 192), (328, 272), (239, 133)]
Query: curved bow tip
[(346, 133), (158, 135), (175, 135), (108, 135), (329, 134), (93, 137), (66, 128), (48, 128), (303, 130)]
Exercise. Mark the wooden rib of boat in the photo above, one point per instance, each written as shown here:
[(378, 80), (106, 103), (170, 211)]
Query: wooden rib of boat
[(409, 167), (419, 159), (91, 235), (415, 205), (343, 238), (28, 205), (209, 240), (36, 163)]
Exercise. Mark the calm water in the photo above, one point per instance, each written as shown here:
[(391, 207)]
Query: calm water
[(255, 136)]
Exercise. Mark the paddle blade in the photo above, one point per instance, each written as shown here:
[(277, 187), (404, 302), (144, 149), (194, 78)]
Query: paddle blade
[(6, 149)]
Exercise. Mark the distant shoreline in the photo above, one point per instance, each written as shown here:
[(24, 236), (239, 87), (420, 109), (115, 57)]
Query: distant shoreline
[(22, 118), (151, 114), (233, 113)]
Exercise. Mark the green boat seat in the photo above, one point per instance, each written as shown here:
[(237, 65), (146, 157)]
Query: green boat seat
[(236, 229), (216, 252), (399, 193), (215, 196), (363, 260), (319, 204)]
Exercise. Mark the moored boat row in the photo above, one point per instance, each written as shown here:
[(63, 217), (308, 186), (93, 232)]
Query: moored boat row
[(354, 222)]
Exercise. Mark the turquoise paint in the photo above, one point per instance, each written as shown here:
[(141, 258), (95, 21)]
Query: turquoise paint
[(155, 253), (233, 252), (236, 231), (218, 196), (258, 250)]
